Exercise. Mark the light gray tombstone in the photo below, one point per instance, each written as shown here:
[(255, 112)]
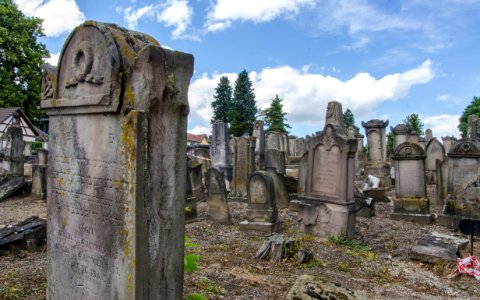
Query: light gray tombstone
[(442, 176), (262, 214), (274, 140), (353, 132), (13, 162), (400, 134), (411, 202), (300, 146), (243, 159), (196, 177), (220, 151), (275, 165), (285, 147), (434, 152), (463, 182), (259, 134), (377, 151), (422, 142), (327, 206), (473, 127), (217, 206), (448, 142), (292, 145), (428, 135), (413, 137), (118, 111), (39, 175), (27, 150)]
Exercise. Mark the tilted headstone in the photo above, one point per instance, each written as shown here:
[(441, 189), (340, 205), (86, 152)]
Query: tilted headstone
[(328, 206), (13, 162), (377, 151), (411, 200), (220, 152), (275, 165), (259, 134), (243, 159), (117, 166), (217, 206), (262, 214), (434, 152)]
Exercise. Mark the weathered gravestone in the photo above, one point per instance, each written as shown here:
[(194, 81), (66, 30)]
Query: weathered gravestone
[(327, 206), (300, 146), (448, 142), (428, 135), (196, 177), (473, 128), (190, 206), (220, 152), (411, 202), (377, 151), (422, 142), (39, 175), (116, 174), (262, 214), (259, 134), (434, 151), (275, 165), (292, 145), (274, 140), (243, 159), (217, 206), (12, 178), (400, 134)]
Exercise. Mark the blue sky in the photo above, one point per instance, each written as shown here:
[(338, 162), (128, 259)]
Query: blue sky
[(382, 59)]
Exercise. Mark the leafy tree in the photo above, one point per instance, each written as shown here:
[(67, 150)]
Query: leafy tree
[(348, 118), (414, 122), (472, 109), (275, 117), (390, 140), (222, 104), (21, 60), (244, 108)]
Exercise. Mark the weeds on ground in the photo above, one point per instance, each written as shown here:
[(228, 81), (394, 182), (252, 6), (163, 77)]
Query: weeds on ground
[(12, 293), (354, 248), (208, 286), (383, 274)]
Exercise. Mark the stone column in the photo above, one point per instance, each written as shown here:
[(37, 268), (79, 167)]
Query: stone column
[(259, 134), (39, 175), (118, 112), (377, 151), (220, 152)]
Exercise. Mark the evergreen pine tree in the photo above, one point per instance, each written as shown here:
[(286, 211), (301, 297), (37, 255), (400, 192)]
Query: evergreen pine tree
[(222, 103), (244, 106), (413, 121), (275, 117)]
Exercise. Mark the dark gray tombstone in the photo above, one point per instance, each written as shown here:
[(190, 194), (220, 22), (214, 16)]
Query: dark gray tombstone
[(118, 111), (275, 165), (13, 162), (262, 214), (220, 152), (217, 206), (39, 175)]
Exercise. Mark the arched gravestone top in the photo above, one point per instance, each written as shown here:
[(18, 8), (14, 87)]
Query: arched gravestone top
[(94, 62), (260, 190), (465, 148), (435, 145), (408, 151), (400, 129)]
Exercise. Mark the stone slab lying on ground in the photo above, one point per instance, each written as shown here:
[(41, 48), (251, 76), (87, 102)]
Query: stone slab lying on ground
[(306, 287), (438, 248), (9, 185), (16, 237)]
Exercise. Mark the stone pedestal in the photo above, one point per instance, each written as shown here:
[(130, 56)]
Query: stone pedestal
[(377, 151), (324, 219)]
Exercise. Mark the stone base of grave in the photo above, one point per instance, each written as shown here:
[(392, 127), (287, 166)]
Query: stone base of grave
[(412, 205), (381, 171), (378, 194), (9, 185), (449, 221), (414, 218), (256, 214), (260, 226), (324, 219), (294, 205)]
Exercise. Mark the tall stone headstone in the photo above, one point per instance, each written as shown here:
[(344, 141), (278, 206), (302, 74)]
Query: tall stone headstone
[(275, 165), (217, 206), (243, 159), (259, 134), (262, 214), (196, 177), (39, 175), (117, 166), (400, 134), (292, 145), (274, 140), (413, 137), (377, 151), (428, 135), (190, 207), (411, 200), (434, 152), (422, 142), (220, 152), (327, 206), (13, 162), (448, 142), (300, 146), (473, 127)]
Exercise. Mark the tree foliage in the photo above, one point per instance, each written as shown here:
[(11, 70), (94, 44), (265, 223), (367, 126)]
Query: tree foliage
[(244, 108), (274, 116), (390, 140), (413, 121), (222, 103), (21, 60), (348, 118), (472, 109)]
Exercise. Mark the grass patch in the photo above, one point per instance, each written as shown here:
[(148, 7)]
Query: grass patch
[(344, 266), (210, 288), (354, 248), (382, 274), (12, 293)]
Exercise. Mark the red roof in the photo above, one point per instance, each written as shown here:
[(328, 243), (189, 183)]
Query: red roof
[(195, 137)]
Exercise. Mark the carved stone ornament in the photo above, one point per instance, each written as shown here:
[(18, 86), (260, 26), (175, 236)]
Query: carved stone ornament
[(408, 151), (465, 148), (48, 82), (82, 62)]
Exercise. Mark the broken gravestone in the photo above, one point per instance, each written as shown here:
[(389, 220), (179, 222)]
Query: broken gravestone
[(438, 248)]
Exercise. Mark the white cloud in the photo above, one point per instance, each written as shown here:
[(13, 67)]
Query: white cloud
[(172, 13), (200, 130), (305, 95), (224, 12), (442, 125), (59, 16), (53, 60), (448, 98)]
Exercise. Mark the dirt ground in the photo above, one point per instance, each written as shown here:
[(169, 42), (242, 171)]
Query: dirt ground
[(228, 269)]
